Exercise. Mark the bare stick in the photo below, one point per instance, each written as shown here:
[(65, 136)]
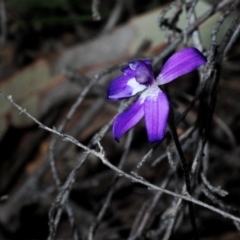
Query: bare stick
[(104, 160), (172, 220), (3, 23), (65, 190), (182, 138), (114, 16), (144, 219), (228, 36), (53, 224), (52, 157), (191, 18), (185, 170), (101, 213), (199, 21), (164, 12), (213, 189), (232, 40), (95, 11)]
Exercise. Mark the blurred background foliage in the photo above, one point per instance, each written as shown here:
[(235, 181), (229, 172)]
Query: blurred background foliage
[(37, 28)]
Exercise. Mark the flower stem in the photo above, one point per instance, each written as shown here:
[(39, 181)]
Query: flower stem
[(185, 170)]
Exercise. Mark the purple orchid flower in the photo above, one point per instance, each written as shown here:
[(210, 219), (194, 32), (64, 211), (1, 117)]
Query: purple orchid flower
[(152, 102)]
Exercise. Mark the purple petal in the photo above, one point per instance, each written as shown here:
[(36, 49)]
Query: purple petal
[(127, 119), (148, 62), (124, 87), (181, 63), (143, 71), (156, 110), (128, 71)]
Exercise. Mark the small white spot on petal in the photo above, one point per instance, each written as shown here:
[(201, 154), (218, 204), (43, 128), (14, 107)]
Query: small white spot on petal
[(136, 87), (152, 92)]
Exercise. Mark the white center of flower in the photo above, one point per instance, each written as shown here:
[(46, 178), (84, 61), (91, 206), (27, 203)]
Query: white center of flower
[(136, 87), (152, 92)]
